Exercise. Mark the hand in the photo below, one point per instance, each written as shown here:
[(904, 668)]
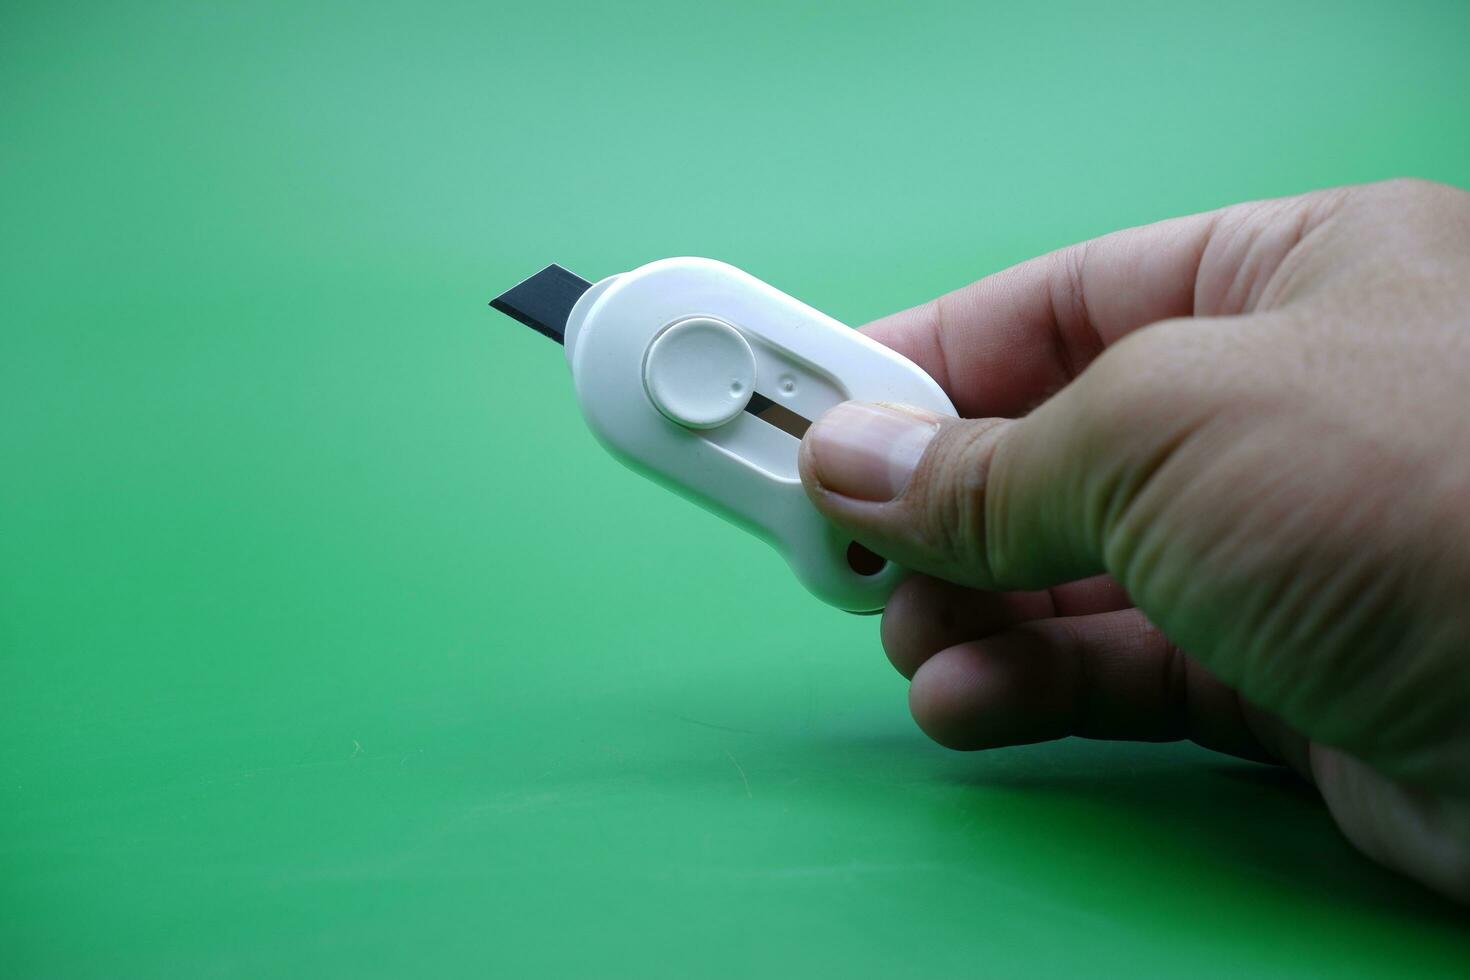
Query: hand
[(1242, 434)]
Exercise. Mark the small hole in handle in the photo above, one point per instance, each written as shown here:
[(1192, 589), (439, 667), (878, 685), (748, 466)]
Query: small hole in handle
[(863, 561)]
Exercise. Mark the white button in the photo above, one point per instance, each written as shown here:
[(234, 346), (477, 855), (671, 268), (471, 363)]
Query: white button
[(700, 372)]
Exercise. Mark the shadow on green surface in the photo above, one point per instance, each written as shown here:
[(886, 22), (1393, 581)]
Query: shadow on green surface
[(1246, 825)]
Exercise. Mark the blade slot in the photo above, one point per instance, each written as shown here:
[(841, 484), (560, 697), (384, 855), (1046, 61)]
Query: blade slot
[(777, 415)]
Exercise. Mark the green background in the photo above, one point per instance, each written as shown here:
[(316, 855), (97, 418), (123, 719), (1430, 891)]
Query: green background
[(330, 642)]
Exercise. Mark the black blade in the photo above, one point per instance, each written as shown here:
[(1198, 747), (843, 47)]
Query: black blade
[(544, 301)]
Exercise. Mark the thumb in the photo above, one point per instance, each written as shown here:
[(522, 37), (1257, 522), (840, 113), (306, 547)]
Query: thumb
[(1001, 504)]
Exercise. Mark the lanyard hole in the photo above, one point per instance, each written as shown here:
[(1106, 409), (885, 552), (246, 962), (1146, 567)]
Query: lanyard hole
[(863, 561)]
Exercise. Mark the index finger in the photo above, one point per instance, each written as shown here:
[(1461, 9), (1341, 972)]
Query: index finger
[(1002, 345)]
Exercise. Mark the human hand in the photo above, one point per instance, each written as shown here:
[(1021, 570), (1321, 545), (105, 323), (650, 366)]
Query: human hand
[(1244, 434)]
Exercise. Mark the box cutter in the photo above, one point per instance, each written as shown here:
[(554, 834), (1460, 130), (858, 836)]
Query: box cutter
[(704, 378)]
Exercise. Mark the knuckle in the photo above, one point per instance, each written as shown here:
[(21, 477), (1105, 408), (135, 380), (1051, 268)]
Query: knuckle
[(954, 486), (1414, 187), (1411, 197)]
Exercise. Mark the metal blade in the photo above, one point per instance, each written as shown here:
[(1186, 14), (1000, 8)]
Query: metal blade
[(773, 413), (544, 301)]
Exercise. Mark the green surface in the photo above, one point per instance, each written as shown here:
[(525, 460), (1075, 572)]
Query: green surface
[(333, 645)]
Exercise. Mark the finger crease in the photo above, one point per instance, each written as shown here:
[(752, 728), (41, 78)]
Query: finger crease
[(941, 332), (1176, 690), (1075, 338)]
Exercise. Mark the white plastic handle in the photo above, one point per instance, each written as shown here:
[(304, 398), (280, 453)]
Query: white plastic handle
[(666, 357)]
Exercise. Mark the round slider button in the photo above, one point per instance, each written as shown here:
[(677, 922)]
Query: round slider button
[(700, 372)]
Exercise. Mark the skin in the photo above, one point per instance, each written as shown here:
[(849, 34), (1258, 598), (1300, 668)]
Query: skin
[(1242, 434)]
